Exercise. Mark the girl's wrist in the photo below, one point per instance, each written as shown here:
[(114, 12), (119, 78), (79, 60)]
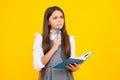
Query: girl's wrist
[(54, 48)]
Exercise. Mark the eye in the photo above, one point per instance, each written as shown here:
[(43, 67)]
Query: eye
[(61, 17), (54, 17)]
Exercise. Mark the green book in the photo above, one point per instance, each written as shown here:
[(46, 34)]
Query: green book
[(78, 60)]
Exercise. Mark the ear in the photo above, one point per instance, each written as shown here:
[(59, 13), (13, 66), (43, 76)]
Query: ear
[(48, 23)]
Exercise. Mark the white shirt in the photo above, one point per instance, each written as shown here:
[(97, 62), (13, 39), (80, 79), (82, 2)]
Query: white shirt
[(38, 51)]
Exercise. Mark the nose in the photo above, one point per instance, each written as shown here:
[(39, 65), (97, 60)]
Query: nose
[(59, 20)]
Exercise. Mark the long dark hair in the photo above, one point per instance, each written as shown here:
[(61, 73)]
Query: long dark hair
[(66, 48), (46, 33)]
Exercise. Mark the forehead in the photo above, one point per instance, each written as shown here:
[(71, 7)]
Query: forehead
[(57, 13)]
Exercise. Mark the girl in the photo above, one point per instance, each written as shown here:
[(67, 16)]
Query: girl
[(50, 48)]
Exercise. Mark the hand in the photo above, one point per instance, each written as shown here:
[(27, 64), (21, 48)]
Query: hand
[(73, 68), (56, 42)]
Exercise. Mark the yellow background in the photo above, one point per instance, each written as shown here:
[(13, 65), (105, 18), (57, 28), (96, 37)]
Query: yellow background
[(95, 24)]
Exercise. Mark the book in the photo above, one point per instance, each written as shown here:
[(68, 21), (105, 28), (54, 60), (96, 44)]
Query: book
[(78, 60)]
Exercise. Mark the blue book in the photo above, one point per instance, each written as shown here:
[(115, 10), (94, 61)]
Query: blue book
[(79, 60)]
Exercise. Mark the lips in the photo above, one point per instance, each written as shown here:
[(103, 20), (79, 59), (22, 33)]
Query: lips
[(59, 25)]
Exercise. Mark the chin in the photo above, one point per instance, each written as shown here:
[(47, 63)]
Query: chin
[(61, 27)]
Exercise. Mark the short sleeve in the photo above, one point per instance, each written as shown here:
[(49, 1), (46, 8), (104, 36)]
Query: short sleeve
[(38, 52), (72, 43)]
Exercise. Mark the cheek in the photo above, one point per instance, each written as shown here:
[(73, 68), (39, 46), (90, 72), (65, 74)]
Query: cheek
[(53, 23), (63, 21)]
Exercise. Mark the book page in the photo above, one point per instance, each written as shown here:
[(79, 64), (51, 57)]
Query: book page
[(85, 56)]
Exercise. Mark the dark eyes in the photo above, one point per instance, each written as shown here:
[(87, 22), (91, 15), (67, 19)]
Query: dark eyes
[(58, 17), (61, 17), (54, 17)]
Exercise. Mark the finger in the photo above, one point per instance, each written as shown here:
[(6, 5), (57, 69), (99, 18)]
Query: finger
[(76, 64), (69, 67), (55, 38), (59, 38)]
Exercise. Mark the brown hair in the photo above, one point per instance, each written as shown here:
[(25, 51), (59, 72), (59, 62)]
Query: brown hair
[(66, 49)]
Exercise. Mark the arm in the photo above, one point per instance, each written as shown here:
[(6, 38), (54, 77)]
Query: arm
[(72, 43), (56, 43), (39, 59), (37, 52)]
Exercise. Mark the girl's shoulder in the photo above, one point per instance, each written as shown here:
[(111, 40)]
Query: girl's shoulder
[(38, 36), (71, 38)]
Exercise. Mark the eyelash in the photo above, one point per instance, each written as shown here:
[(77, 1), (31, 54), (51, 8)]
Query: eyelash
[(57, 17), (61, 17)]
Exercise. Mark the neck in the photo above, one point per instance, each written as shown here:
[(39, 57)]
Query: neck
[(53, 30)]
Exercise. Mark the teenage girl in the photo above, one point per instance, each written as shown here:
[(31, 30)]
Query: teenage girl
[(51, 48)]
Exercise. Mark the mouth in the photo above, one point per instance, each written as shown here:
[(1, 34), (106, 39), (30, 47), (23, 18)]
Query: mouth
[(59, 25)]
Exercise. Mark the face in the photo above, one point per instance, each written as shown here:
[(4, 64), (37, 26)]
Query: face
[(56, 20)]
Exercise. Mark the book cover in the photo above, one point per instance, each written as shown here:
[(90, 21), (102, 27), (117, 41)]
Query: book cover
[(78, 60)]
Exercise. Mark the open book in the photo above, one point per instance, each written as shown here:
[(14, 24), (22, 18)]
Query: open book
[(78, 60)]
